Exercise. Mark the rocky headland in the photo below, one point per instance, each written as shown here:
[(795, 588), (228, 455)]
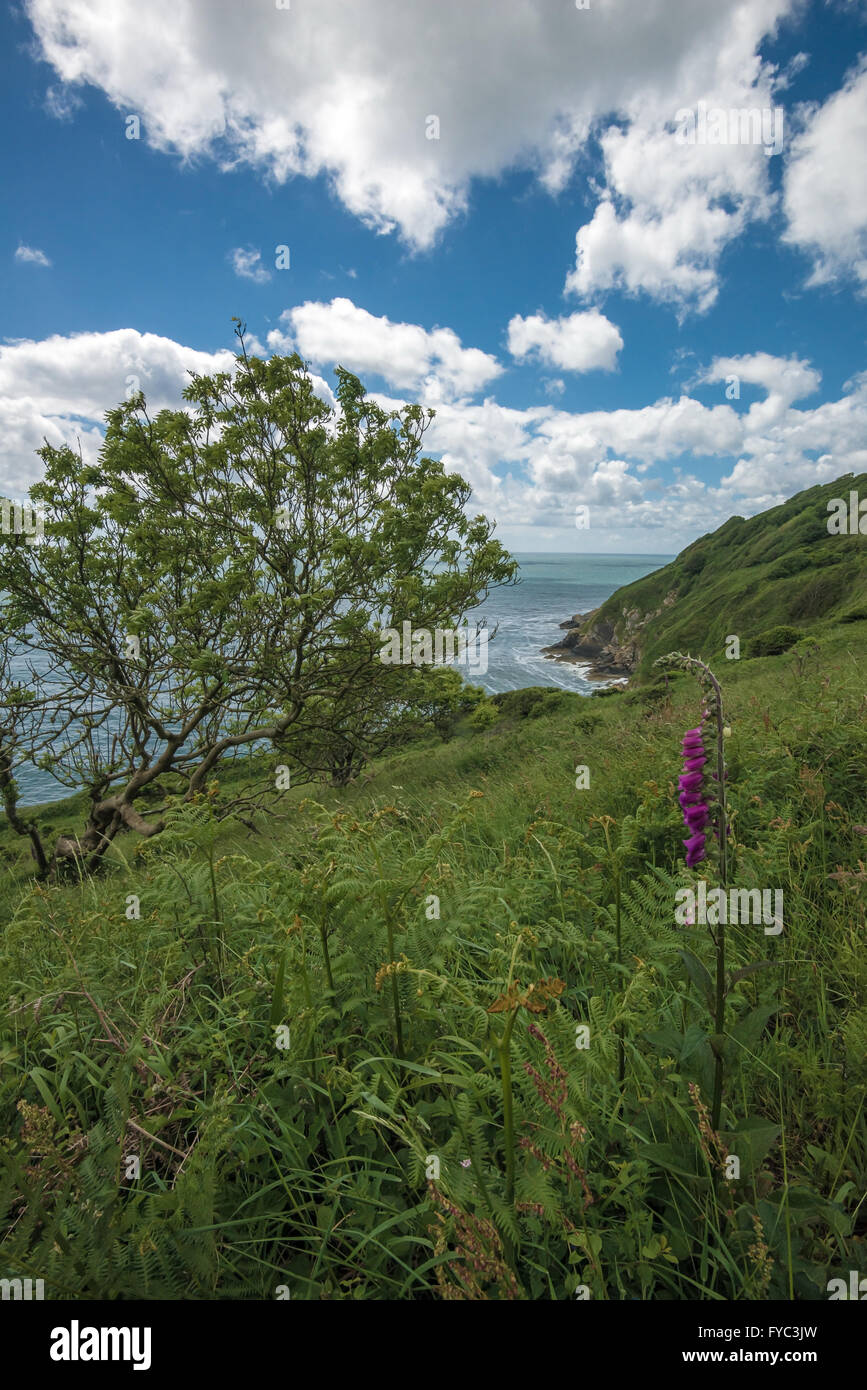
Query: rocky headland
[(608, 642)]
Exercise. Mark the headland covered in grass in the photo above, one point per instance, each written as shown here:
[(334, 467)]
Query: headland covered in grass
[(768, 580)]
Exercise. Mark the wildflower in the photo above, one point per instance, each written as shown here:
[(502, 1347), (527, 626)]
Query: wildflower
[(553, 1093), (762, 1258), (702, 803), (711, 1145), (691, 783), (534, 1208)]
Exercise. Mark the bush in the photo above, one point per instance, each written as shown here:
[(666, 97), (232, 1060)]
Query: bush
[(531, 702), (774, 640), (804, 559), (651, 694), (484, 715), (792, 563), (811, 526), (586, 723), (694, 561), (818, 595)]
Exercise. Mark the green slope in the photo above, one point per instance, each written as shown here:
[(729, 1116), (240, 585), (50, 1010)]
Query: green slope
[(780, 568)]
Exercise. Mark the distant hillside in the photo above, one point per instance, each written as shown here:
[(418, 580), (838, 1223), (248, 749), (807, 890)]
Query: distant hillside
[(781, 568)]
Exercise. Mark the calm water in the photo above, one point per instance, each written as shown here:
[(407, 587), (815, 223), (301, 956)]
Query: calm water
[(552, 588)]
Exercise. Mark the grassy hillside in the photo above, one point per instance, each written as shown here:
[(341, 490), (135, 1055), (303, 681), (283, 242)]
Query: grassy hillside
[(780, 568), (321, 1044)]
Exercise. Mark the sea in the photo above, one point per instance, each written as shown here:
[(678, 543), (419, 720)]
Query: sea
[(526, 615), (551, 590)]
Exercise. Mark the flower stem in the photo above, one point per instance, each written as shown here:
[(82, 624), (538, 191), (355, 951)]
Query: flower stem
[(615, 877), (707, 677), (505, 1053), (720, 938), (395, 990)]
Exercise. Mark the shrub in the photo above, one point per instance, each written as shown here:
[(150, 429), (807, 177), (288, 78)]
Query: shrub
[(805, 559), (694, 561), (792, 563), (484, 715), (774, 640), (651, 694), (586, 723), (817, 595), (521, 704)]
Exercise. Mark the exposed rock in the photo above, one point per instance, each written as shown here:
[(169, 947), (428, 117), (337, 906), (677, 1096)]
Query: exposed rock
[(610, 644)]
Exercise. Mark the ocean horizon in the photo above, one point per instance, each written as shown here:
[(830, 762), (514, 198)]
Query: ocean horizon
[(552, 589)]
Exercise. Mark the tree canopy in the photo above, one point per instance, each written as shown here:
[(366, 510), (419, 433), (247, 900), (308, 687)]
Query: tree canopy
[(217, 582)]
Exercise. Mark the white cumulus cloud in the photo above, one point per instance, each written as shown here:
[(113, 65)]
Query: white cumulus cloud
[(529, 468), (60, 388), (579, 343), (307, 91), (404, 354), (826, 185)]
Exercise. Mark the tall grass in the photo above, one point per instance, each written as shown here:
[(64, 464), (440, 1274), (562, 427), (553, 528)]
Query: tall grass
[(435, 1127)]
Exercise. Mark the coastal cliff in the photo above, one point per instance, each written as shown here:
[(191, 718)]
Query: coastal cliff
[(737, 591), (609, 640)]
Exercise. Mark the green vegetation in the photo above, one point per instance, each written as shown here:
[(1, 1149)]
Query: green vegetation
[(774, 641), (219, 580), (343, 1045), (779, 569)]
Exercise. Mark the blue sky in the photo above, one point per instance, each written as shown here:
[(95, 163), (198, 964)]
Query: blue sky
[(566, 281)]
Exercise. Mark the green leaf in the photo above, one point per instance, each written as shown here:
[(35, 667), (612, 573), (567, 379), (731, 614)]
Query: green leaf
[(37, 1074), (405, 1066), (693, 1038), (590, 1241), (700, 977), (672, 1160), (746, 970), (750, 1028), (666, 1040), (277, 996), (751, 1141)]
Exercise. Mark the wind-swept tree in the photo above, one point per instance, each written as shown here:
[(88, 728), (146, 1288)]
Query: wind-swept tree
[(218, 581)]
